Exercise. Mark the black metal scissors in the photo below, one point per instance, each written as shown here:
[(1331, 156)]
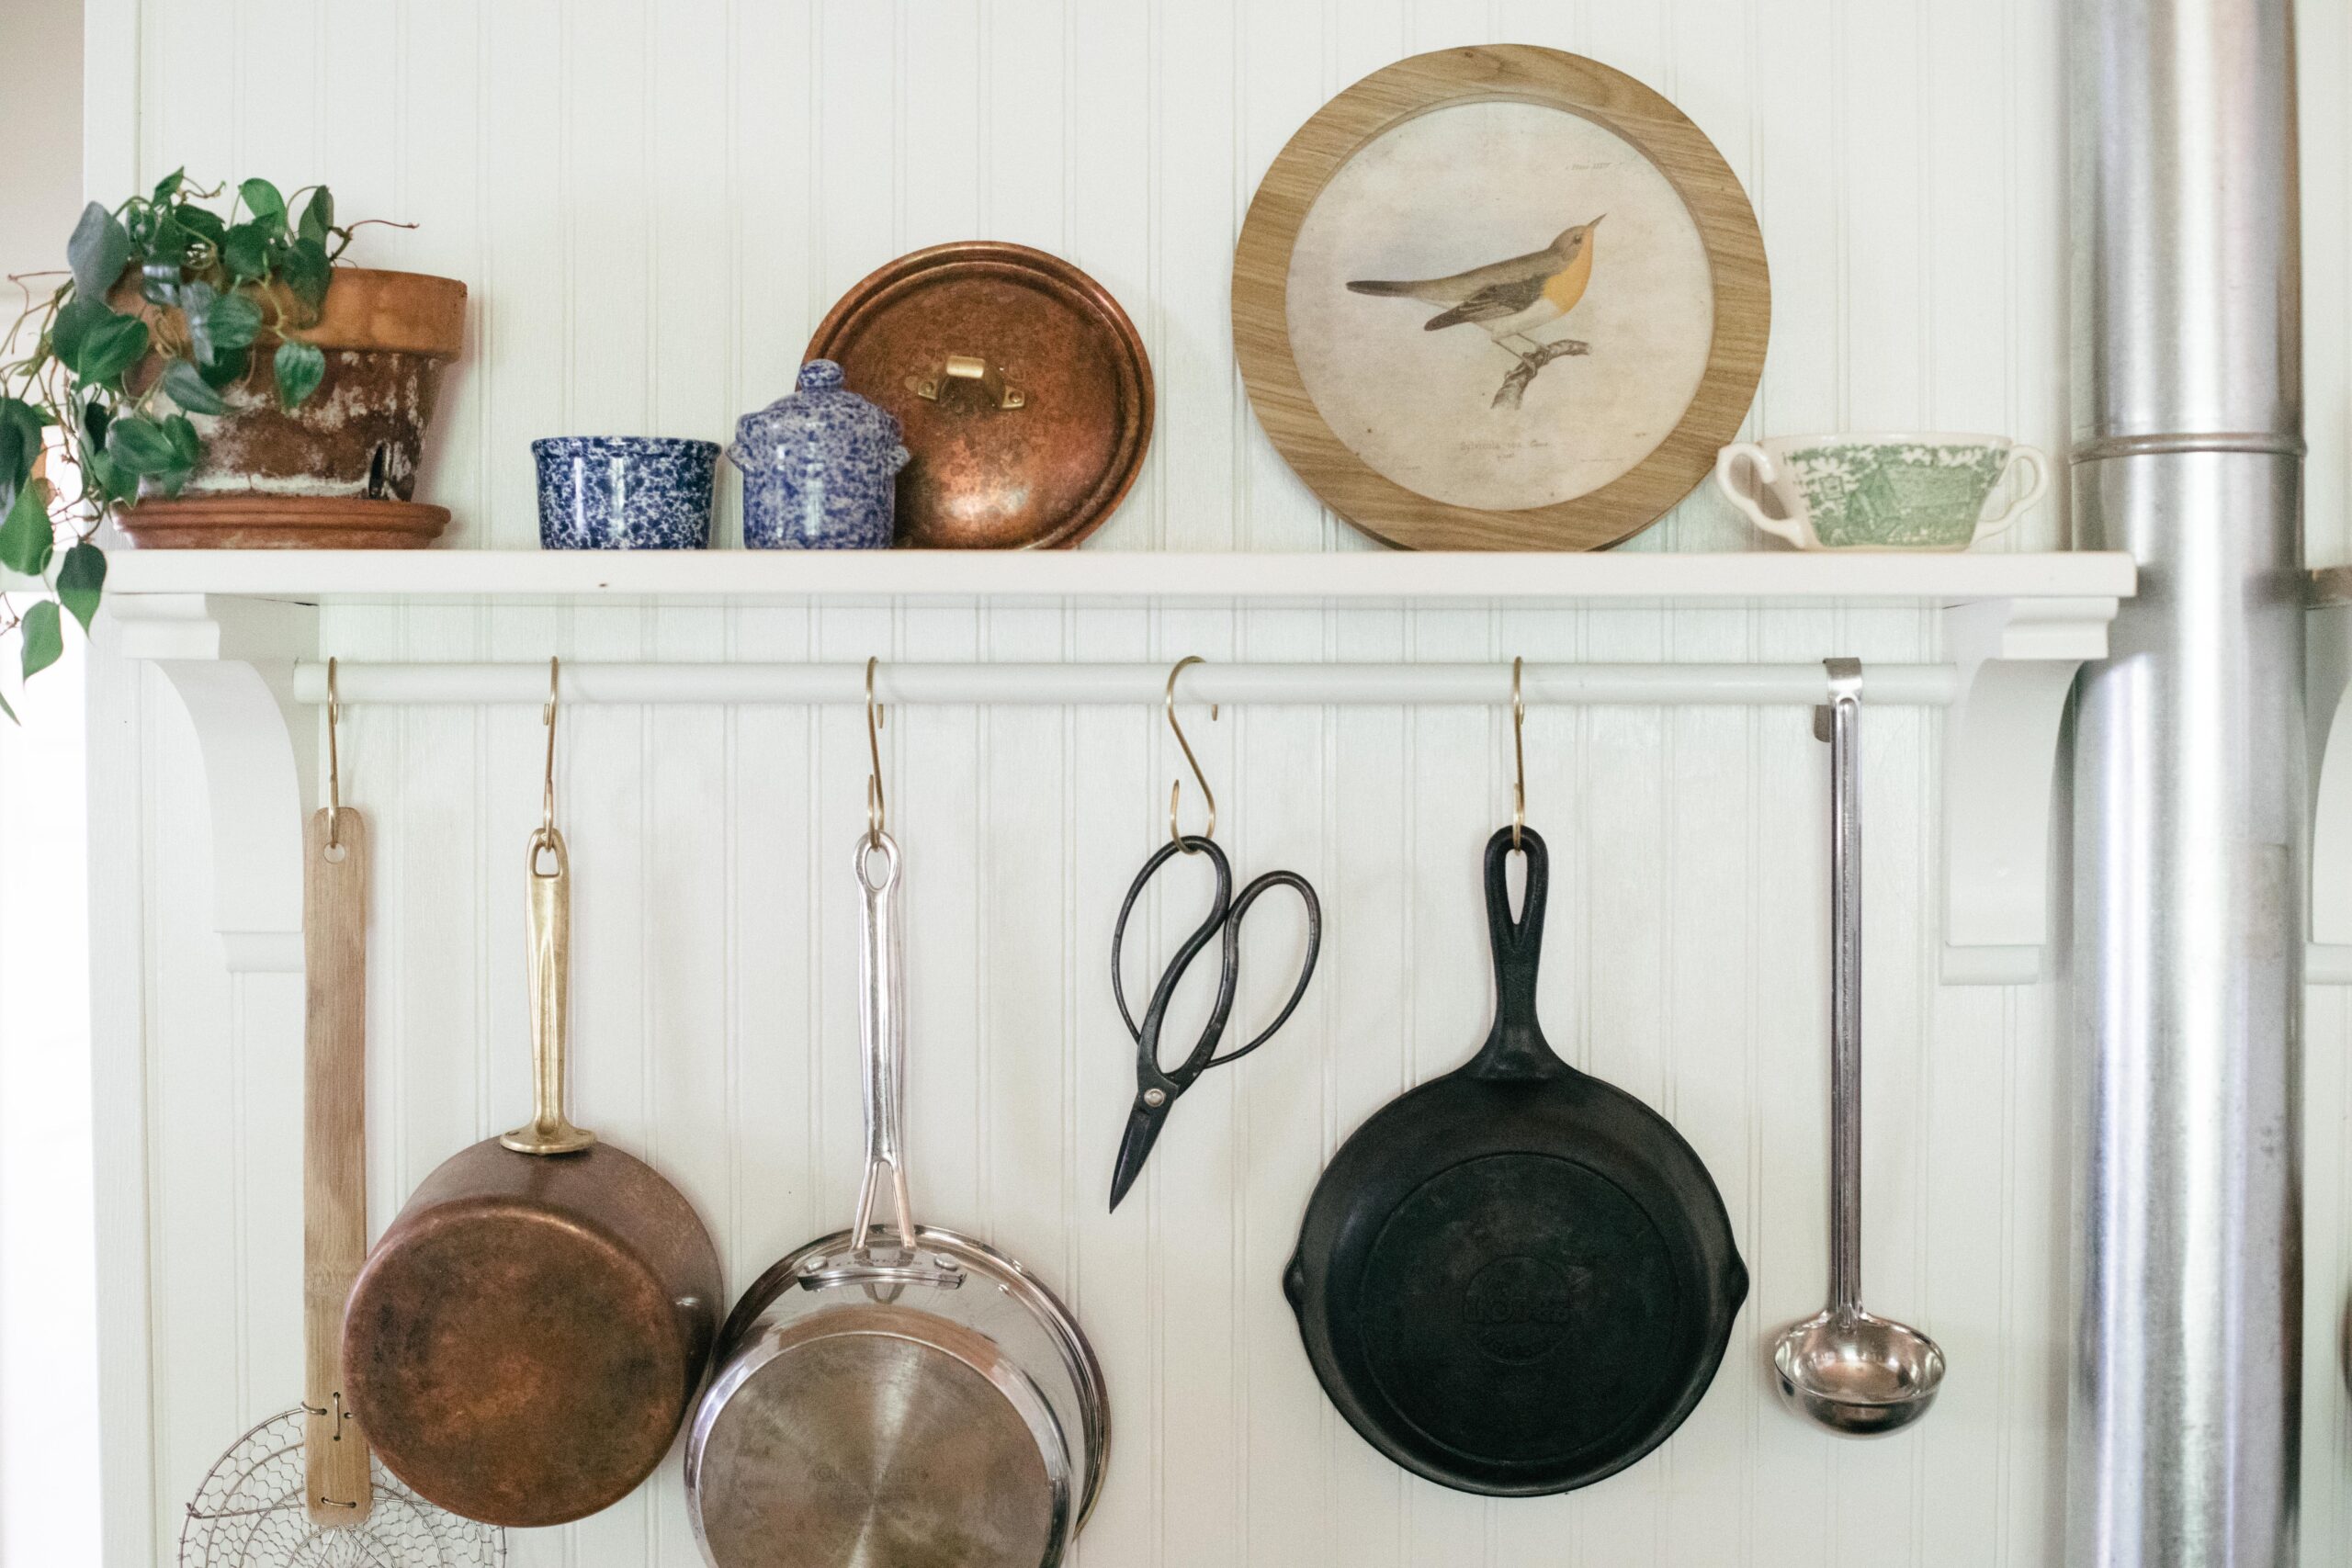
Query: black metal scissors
[(1158, 1088)]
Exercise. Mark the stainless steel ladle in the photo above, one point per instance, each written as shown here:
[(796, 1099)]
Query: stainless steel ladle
[(1851, 1373)]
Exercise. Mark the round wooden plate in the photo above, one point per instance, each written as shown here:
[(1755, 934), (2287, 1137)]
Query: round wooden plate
[(1510, 73)]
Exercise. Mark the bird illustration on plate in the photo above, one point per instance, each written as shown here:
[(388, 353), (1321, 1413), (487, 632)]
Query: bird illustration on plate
[(1512, 300)]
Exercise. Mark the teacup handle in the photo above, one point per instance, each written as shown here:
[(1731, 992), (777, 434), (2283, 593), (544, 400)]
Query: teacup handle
[(1765, 472), (2020, 453)]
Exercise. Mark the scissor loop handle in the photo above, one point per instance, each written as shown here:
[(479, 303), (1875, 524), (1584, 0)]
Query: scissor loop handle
[(1191, 843), (1250, 895), (1224, 919)]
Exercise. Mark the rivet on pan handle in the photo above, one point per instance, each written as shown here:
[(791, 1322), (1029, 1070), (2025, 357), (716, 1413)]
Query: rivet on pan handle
[(932, 384)]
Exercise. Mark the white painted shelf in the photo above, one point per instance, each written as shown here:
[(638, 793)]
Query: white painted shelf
[(1531, 580), (236, 633)]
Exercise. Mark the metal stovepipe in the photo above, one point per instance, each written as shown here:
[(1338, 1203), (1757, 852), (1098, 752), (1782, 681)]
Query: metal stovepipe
[(2190, 789)]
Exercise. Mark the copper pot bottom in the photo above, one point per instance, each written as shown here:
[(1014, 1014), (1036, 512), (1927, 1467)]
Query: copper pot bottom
[(525, 1340)]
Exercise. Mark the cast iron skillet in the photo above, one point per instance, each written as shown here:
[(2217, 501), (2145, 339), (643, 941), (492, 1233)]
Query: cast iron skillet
[(1516, 1278)]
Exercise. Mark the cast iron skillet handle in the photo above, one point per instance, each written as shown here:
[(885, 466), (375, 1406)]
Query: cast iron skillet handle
[(1517, 1048)]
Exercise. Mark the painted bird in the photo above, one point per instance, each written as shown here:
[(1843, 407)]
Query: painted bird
[(1509, 298)]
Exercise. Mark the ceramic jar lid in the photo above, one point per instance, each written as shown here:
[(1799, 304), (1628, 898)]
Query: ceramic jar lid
[(1024, 391), (818, 409)]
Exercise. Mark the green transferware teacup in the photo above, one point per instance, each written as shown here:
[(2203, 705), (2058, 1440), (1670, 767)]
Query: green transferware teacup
[(1879, 492)]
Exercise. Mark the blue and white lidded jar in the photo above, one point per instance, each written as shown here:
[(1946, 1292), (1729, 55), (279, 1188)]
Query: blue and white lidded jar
[(820, 468)]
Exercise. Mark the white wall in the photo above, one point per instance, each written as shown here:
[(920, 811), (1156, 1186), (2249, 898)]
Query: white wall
[(48, 1479), (653, 203)]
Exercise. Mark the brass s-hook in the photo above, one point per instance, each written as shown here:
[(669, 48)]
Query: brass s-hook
[(1517, 757), (334, 762), (547, 792), (874, 722), (1176, 790)]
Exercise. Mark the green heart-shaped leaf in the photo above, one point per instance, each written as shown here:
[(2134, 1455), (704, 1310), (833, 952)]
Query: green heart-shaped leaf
[(114, 483), (262, 201), (304, 267), (186, 387), (299, 368), (318, 216), (186, 446), (231, 322), (97, 253), (204, 224), (79, 578), (140, 444), (95, 344), (44, 637), (245, 251), (27, 539), (20, 442), (228, 367), (73, 324), (196, 310)]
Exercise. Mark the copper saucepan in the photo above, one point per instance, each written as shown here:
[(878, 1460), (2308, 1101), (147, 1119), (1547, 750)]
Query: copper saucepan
[(895, 1393), (526, 1338)]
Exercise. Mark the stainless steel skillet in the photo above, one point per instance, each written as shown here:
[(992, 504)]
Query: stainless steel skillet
[(899, 1397)]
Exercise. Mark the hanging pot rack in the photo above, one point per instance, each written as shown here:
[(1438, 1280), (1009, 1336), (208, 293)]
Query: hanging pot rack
[(237, 635), (360, 683)]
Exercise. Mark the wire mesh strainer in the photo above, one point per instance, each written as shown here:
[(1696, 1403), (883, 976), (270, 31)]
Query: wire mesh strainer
[(294, 1492), (250, 1513)]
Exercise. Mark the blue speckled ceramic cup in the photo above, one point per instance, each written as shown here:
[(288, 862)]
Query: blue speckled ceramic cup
[(625, 492)]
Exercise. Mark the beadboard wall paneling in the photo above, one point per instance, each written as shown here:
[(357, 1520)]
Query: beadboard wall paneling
[(652, 202), (717, 1018)]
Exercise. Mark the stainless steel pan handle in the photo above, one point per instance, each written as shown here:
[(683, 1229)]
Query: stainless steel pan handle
[(881, 1017), (1845, 714)]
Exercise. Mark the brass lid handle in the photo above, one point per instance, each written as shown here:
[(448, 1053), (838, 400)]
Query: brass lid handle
[(930, 384)]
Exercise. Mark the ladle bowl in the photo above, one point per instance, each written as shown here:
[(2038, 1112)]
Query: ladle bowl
[(1856, 1374)]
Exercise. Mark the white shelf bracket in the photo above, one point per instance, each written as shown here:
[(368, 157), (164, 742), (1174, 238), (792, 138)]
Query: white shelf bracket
[(2327, 685), (2017, 660), (231, 662)]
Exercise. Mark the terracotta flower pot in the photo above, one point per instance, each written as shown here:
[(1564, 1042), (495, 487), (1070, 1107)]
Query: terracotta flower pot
[(338, 472)]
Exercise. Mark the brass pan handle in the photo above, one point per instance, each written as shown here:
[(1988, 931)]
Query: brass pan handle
[(932, 384), (550, 1131)]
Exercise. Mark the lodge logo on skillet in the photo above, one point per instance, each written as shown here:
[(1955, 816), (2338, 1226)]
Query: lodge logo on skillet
[(1519, 1307)]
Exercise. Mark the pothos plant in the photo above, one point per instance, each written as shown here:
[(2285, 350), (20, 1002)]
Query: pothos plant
[(116, 386)]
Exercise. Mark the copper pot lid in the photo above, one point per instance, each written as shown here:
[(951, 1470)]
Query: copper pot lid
[(1025, 392)]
